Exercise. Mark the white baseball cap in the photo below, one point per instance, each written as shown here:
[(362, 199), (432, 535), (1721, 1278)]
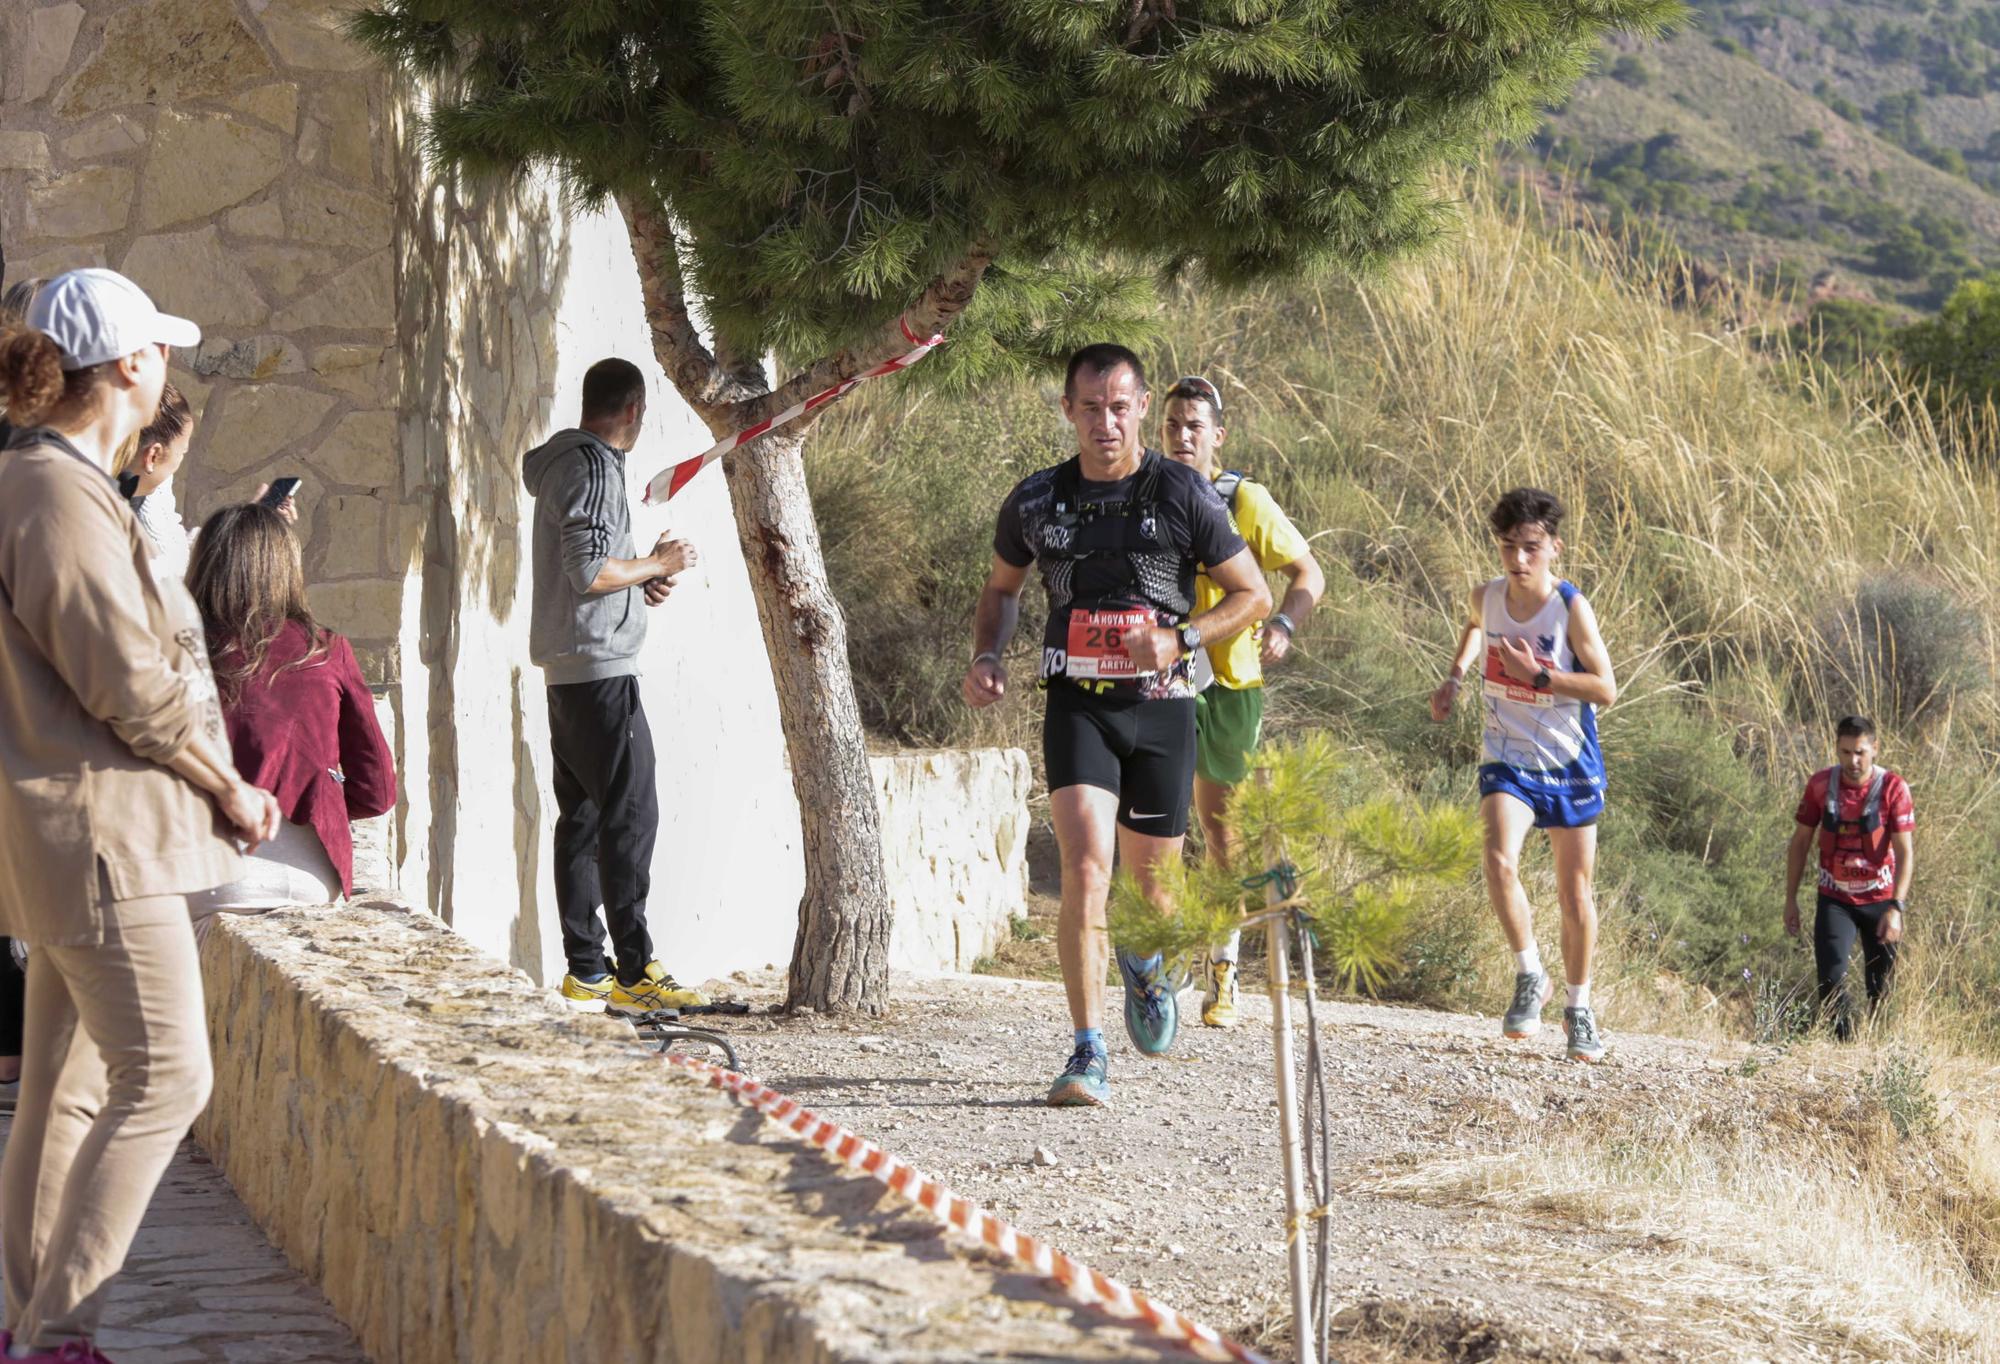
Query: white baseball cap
[(99, 315)]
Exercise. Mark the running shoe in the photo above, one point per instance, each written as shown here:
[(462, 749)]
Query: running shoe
[(587, 994), (1152, 1013), (652, 992), (1532, 992), (1586, 1043), (1082, 1083), (1218, 1006)]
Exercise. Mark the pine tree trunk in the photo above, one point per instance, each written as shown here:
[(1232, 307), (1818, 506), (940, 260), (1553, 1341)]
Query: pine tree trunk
[(840, 959)]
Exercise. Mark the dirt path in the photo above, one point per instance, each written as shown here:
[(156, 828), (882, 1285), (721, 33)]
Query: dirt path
[(1176, 1186)]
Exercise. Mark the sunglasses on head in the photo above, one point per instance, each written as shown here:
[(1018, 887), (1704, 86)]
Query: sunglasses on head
[(1193, 385)]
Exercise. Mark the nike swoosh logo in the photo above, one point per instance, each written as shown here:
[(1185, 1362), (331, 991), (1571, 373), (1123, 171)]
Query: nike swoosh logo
[(1136, 815)]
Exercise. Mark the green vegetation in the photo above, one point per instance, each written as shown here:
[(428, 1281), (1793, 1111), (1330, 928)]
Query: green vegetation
[(1766, 543), (1359, 864)]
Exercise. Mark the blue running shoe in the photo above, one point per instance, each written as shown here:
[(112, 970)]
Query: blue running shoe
[(1082, 1082), (1152, 1010)]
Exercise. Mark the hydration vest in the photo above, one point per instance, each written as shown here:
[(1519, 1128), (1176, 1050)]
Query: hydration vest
[(1871, 810), (1123, 542), (1227, 484)]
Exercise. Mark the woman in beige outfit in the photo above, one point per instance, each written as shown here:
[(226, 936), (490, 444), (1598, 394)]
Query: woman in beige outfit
[(118, 799)]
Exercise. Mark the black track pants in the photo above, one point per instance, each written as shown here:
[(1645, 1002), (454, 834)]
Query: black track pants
[(608, 813), (1835, 928)]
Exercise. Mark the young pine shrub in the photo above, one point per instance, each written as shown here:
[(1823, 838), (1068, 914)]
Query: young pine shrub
[(1357, 862)]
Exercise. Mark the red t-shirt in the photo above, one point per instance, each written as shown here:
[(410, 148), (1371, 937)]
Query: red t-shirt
[(1858, 868)]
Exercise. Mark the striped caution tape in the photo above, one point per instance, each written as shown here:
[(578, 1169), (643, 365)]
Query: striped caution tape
[(1083, 1284), (672, 479)]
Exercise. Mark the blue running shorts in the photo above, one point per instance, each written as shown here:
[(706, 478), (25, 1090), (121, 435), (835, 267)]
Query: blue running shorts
[(1560, 800)]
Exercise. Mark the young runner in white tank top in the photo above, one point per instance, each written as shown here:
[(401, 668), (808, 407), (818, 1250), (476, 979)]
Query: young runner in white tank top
[(1543, 673)]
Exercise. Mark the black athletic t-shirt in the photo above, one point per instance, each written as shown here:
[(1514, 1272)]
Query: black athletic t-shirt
[(1195, 529)]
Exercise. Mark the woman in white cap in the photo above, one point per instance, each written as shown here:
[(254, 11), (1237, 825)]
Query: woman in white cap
[(118, 800)]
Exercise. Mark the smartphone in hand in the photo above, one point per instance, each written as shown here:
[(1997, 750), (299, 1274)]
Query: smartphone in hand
[(280, 491)]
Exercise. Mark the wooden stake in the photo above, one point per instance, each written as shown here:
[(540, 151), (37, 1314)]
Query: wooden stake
[(1278, 948)]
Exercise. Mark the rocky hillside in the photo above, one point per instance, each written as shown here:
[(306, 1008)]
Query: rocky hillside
[(1828, 146)]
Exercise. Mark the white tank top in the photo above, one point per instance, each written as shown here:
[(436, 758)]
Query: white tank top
[(1525, 728)]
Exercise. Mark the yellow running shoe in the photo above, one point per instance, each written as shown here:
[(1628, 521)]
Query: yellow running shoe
[(587, 996), (1218, 1006), (655, 990)]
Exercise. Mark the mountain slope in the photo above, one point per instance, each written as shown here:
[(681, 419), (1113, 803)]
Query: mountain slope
[(1723, 143)]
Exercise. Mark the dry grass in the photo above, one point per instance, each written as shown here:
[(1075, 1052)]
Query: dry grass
[(1803, 1225)]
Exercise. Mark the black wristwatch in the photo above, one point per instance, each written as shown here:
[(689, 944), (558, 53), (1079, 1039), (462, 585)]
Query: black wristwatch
[(1542, 680)]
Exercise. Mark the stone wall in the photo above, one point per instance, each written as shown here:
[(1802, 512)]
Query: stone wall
[(955, 852), (474, 1175)]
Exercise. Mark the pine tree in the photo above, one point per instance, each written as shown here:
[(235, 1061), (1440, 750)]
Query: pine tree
[(815, 176)]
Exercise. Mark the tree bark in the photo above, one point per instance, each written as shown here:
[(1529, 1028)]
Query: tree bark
[(840, 957)]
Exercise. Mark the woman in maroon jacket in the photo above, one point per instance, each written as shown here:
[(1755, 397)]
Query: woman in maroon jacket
[(301, 720)]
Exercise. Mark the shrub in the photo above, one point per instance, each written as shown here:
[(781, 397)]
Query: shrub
[(1629, 70), (1906, 649)]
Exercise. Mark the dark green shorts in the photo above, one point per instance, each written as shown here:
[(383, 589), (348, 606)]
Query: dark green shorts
[(1227, 726)]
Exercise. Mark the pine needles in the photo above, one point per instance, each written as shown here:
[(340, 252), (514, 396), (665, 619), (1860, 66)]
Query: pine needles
[(1354, 859)]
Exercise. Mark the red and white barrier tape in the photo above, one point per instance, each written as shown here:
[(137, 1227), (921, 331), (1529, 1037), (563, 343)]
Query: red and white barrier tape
[(671, 480), (1083, 1283)]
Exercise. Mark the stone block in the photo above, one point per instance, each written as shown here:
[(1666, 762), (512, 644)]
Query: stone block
[(307, 33), (253, 357), (954, 852), (359, 298), (286, 271), (193, 274), (39, 43), (342, 109), (24, 151), (258, 422), (276, 104), (93, 202), (108, 137), (322, 213), (266, 219), (362, 608), (167, 53), (202, 164), (362, 372), (348, 542), (361, 451)]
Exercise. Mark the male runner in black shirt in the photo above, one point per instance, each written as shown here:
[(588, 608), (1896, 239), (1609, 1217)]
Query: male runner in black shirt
[(1119, 531)]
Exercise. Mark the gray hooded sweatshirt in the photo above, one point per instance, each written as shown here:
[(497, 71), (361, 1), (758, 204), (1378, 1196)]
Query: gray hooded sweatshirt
[(581, 519)]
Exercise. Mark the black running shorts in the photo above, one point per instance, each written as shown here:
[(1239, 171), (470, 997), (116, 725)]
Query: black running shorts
[(1143, 751)]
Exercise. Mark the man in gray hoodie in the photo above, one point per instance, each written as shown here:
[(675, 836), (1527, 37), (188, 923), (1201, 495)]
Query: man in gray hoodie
[(591, 588)]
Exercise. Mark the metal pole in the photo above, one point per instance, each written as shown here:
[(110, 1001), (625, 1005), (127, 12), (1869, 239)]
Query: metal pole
[(1277, 943)]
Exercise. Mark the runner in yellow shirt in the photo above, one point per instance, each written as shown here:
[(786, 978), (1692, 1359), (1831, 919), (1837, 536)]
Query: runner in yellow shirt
[(1229, 708)]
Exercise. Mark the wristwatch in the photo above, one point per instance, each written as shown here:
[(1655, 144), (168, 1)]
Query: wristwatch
[(1282, 621), (1542, 680), (1190, 634)]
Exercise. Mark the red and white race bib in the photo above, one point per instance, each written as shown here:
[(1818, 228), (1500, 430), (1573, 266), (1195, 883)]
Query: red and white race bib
[(1504, 686), (1097, 643)]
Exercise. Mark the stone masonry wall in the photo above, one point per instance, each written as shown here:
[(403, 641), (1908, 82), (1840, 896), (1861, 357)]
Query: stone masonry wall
[(474, 1175)]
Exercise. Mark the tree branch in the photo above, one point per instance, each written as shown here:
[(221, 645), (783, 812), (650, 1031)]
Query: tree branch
[(941, 301), (710, 387)]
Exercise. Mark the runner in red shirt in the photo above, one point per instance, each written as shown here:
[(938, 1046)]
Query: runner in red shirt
[(1865, 861)]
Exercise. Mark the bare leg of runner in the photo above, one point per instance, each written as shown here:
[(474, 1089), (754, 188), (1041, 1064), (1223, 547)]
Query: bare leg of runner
[(1086, 820), (1576, 864), (1507, 824)]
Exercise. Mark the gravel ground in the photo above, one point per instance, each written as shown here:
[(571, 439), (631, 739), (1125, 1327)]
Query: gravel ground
[(1176, 1187)]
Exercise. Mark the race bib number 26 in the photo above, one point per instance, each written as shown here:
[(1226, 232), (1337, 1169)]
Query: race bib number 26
[(1097, 643)]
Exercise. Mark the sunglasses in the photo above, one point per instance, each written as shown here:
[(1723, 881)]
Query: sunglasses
[(1194, 386)]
